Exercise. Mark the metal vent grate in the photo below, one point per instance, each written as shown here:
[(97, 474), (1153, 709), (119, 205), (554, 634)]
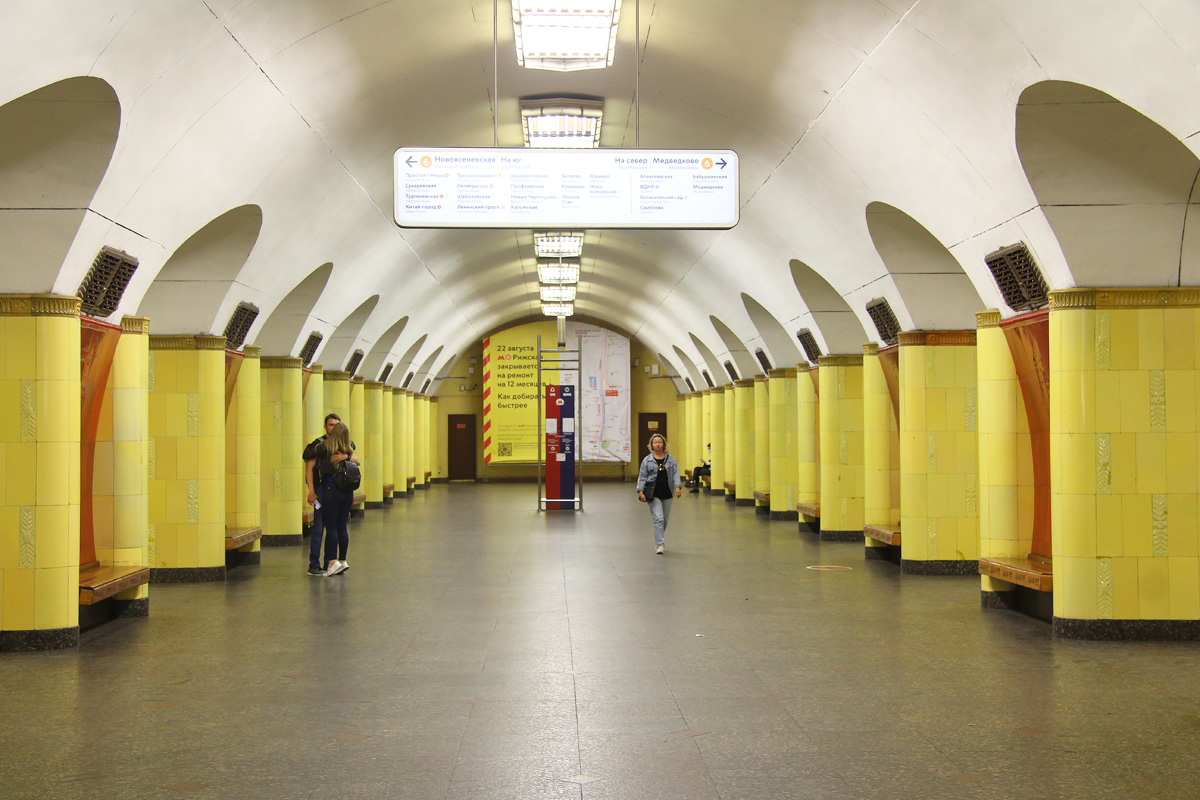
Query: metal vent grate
[(732, 372), (425, 386), (239, 325), (407, 379), (1018, 277), (707, 378), (383, 376), (355, 359), (310, 348), (688, 381), (105, 282), (809, 343), (885, 320), (762, 359)]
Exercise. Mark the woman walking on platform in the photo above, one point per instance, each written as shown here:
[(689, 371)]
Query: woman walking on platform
[(335, 502), (659, 483)]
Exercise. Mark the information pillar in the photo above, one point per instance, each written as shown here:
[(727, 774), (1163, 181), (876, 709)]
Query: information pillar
[(560, 447)]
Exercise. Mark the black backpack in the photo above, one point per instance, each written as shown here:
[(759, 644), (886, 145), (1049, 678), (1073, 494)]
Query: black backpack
[(347, 476)]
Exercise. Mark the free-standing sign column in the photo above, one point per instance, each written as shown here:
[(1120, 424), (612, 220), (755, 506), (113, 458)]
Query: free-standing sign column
[(560, 447)]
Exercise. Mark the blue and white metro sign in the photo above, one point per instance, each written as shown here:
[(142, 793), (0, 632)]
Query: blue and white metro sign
[(490, 187)]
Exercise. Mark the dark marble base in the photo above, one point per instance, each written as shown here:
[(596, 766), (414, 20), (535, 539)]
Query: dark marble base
[(911, 567), (423, 486), (28, 641), (842, 536), (438, 480), (405, 494), (730, 498), (187, 574), (357, 513), (889, 553), (236, 558), (1143, 630), (283, 540), (128, 609), (1005, 601), (786, 516), (744, 501), (809, 527), (388, 499), (374, 504), (107, 610), (762, 511)]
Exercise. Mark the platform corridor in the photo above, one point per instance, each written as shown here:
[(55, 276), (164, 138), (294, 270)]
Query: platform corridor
[(477, 649)]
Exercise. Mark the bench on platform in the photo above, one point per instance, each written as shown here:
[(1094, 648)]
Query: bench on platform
[(410, 482), (389, 490), (98, 583), (240, 537), (888, 534), (707, 481), (763, 497), (1032, 573), (810, 517)]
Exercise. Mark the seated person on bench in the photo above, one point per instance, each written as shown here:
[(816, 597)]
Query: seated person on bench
[(704, 469)]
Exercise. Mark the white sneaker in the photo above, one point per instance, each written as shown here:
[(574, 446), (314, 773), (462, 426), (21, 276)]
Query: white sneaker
[(345, 567), (659, 551), (334, 568)]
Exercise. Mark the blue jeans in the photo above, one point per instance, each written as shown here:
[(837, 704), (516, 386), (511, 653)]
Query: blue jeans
[(335, 514), (660, 511), (314, 542)]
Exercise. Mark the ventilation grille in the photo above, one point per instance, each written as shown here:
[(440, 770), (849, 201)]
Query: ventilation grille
[(383, 376), (732, 372), (310, 348), (407, 379), (885, 320), (1018, 277), (809, 342), (688, 381), (425, 386), (355, 360), (239, 325), (762, 359), (105, 282), (707, 378)]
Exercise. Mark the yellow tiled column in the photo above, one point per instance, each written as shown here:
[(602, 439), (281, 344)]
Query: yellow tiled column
[(939, 467), (358, 434), (705, 427), (282, 436), (336, 387), (400, 441), (421, 440), (881, 457), (762, 446), (411, 449), (314, 424), (784, 472), (841, 421), (808, 445), (695, 428), (243, 455), (372, 448), (129, 387), (1123, 462), (743, 393), (187, 458), (434, 436), (387, 399), (729, 448), (717, 426), (677, 440), (39, 490)]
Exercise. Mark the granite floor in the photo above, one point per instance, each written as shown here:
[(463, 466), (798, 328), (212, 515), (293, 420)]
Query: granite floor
[(478, 649)]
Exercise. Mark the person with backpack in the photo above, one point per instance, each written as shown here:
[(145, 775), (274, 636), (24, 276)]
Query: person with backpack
[(315, 566), (336, 474)]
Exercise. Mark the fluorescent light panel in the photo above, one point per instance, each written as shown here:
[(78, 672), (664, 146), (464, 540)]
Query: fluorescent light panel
[(562, 123), (565, 35), (558, 272), (558, 294), (558, 309), (553, 245)]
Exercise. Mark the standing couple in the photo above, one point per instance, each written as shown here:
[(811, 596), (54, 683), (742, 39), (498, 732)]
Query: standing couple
[(331, 505)]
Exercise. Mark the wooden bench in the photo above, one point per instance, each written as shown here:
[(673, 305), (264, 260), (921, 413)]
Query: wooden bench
[(707, 481), (763, 497), (389, 490), (410, 482), (1032, 573), (809, 509), (888, 534), (810, 517), (240, 537), (98, 583)]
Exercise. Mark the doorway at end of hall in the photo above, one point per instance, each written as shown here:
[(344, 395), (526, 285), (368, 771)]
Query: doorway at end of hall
[(460, 447)]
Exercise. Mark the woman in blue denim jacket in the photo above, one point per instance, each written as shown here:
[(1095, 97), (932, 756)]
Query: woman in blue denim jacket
[(659, 483)]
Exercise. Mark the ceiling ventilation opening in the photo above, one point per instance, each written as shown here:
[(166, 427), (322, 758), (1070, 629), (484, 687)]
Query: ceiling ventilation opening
[(239, 325), (355, 360), (691, 387), (762, 359), (407, 379), (425, 385), (383, 376), (105, 282), (707, 378), (885, 320), (310, 348), (732, 372), (809, 342), (1018, 277)]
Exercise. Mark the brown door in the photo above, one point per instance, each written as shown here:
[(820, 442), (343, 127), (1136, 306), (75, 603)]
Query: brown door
[(648, 425), (460, 447)]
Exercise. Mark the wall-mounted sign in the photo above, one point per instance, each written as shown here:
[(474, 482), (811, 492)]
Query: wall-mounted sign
[(531, 188)]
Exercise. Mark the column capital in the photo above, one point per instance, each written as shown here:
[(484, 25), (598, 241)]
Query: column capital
[(1126, 297), (252, 351), (987, 319), (38, 305), (937, 338), (373, 385), (840, 361), (136, 325), (337, 376), (282, 362), (781, 373)]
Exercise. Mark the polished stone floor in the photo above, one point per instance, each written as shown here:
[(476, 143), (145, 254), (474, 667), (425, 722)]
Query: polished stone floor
[(477, 649)]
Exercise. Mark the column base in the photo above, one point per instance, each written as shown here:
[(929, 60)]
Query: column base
[(842, 536), (730, 498), (357, 513), (1142, 630), (373, 504), (786, 516), (236, 558), (187, 574), (405, 494), (107, 610), (282, 540), (388, 498), (49, 639), (889, 553), (744, 501), (956, 567), (762, 511), (421, 486)]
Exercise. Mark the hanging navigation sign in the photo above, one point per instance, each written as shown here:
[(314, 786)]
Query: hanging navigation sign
[(490, 187)]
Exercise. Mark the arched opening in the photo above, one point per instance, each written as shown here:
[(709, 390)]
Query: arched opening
[(424, 374), (747, 366), (404, 365), (780, 347), (55, 146), (935, 290), (188, 291), (373, 363), (339, 344), (1115, 186), (283, 330), (689, 374), (672, 372), (832, 318), (710, 360)]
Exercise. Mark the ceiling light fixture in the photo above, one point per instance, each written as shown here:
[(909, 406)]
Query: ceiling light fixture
[(558, 294), (561, 122), (565, 35), (558, 309), (558, 272), (555, 245)]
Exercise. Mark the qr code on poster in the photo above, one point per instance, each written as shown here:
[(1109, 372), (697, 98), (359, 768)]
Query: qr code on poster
[(505, 448)]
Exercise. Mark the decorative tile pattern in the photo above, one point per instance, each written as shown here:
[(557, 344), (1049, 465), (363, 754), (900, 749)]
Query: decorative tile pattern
[(1103, 463), (843, 453), (28, 411), (931, 453), (277, 418), (1158, 401), (841, 381), (1158, 510), (193, 501), (1103, 340), (152, 467), (151, 533), (193, 415), (1104, 588), (970, 413), (150, 374), (27, 552), (930, 367), (845, 509), (932, 538), (277, 492), (972, 494)]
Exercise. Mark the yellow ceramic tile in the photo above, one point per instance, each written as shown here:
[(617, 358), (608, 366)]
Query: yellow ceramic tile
[(1180, 400), (1123, 338), (1075, 531), (1135, 402), (1152, 463), (187, 460), (1110, 538), (1181, 463), (1154, 588), (210, 373), (1183, 528), (186, 546), (1151, 346), (936, 415), (1069, 331), (19, 599), (176, 502), (1136, 527), (212, 502), (1126, 604), (52, 475), (1078, 463), (56, 602), (1107, 397), (1124, 463), (1183, 582), (1178, 339), (131, 518), (1075, 583)]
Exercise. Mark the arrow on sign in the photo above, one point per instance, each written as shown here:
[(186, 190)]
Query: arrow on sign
[(722, 162), (409, 161)]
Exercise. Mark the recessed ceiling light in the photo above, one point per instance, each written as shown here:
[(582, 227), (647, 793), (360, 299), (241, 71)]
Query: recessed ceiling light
[(565, 35), (558, 309), (558, 271), (561, 123), (558, 294), (553, 245)]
